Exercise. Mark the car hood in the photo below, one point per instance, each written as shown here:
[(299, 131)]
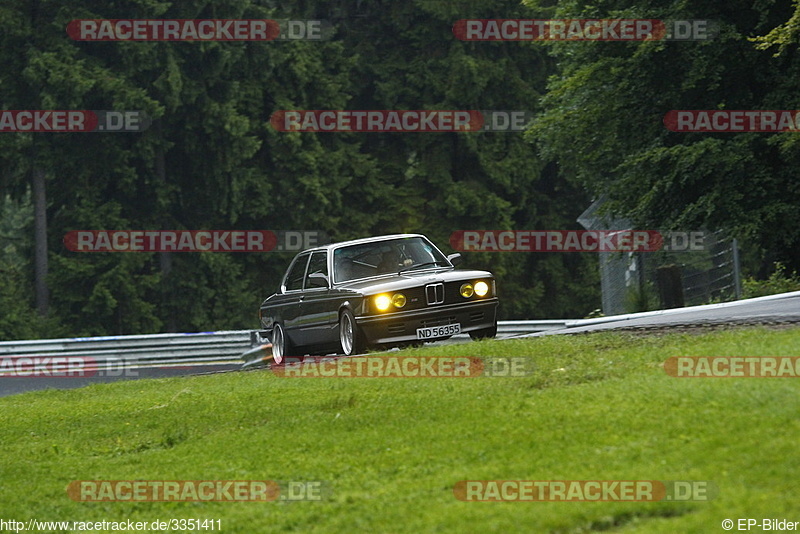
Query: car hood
[(395, 282)]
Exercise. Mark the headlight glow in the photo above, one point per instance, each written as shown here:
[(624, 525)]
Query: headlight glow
[(399, 300), (481, 288), (466, 290), (382, 302)]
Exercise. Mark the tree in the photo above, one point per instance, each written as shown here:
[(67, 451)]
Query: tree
[(602, 123)]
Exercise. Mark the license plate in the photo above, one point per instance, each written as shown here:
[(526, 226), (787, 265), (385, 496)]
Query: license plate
[(438, 331)]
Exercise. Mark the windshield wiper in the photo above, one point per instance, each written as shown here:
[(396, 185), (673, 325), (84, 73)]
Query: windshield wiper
[(421, 265)]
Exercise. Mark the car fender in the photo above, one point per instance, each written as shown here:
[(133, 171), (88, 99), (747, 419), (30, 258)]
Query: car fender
[(346, 305)]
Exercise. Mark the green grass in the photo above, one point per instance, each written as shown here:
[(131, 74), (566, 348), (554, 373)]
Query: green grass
[(598, 407)]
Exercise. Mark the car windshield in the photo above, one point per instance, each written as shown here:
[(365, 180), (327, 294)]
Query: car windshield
[(385, 257)]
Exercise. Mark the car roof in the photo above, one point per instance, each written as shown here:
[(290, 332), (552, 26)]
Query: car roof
[(362, 241)]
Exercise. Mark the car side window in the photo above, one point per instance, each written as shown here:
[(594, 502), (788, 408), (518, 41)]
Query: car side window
[(294, 279), (317, 270)]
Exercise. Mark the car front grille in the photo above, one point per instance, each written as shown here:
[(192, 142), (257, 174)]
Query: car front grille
[(434, 293)]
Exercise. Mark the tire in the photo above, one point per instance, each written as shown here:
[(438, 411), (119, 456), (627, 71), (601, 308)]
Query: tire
[(281, 346), (484, 333), (350, 339)]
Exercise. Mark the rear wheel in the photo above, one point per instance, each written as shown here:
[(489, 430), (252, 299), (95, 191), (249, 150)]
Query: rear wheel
[(349, 337), (281, 346), (484, 333)]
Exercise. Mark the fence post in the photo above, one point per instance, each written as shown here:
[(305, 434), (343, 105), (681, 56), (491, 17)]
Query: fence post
[(737, 283)]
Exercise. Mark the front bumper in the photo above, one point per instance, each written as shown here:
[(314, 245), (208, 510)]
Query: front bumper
[(401, 327)]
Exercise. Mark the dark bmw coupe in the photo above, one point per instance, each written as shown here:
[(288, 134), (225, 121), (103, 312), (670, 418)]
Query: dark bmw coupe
[(379, 292)]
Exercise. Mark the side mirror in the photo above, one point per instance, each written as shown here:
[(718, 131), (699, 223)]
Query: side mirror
[(317, 280), (455, 259)]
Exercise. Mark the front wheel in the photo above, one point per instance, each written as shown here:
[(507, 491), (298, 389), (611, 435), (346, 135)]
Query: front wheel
[(484, 333), (349, 337)]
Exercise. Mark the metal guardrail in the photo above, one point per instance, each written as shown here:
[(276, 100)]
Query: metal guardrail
[(134, 351), (181, 349)]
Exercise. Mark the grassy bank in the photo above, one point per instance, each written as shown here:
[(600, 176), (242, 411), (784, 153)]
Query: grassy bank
[(389, 451)]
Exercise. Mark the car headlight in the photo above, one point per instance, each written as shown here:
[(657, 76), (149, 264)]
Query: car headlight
[(398, 300), (466, 290), (481, 288), (382, 302)]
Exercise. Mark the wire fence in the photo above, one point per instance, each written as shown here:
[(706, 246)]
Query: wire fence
[(702, 273)]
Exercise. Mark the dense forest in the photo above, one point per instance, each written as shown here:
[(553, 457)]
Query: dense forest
[(211, 159)]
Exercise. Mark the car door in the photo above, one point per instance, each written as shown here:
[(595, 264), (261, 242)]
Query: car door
[(318, 307), (290, 311)]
